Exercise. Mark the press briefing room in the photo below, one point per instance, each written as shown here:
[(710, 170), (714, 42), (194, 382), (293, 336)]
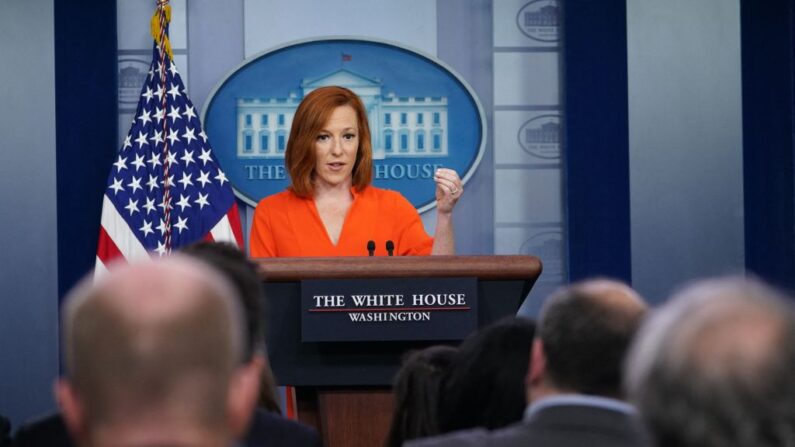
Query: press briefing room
[(397, 223)]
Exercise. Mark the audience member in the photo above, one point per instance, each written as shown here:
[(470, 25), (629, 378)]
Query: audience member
[(152, 353), (233, 263), (268, 428), (485, 385), (573, 383), (416, 390), (5, 432), (265, 429), (713, 367)]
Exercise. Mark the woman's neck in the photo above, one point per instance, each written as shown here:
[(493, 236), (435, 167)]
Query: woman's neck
[(326, 191)]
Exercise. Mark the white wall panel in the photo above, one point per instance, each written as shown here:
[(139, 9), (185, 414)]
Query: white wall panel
[(528, 196), (686, 142), (407, 22), (526, 79)]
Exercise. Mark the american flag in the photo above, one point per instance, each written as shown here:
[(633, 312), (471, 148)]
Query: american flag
[(165, 189)]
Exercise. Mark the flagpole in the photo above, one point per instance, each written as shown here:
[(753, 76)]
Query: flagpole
[(162, 6)]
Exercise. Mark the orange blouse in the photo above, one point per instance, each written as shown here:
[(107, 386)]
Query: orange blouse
[(286, 225)]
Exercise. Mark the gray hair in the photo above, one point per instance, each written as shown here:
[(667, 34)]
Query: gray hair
[(714, 367)]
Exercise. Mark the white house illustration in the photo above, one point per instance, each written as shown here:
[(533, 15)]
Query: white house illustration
[(401, 126)]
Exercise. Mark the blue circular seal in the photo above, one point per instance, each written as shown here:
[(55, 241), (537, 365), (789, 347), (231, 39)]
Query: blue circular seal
[(422, 115)]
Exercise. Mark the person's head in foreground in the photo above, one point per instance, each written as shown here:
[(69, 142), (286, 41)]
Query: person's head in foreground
[(242, 273), (715, 366), (583, 334), (485, 384), (417, 391), (152, 352)]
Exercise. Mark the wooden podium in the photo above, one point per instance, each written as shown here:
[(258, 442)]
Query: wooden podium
[(343, 388)]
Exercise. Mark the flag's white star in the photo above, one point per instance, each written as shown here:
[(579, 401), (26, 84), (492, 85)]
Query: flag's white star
[(147, 228), (173, 69), (172, 159), (159, 93), (221, 177), (141, 140), (203, 135), (157, 137), (148, 94), (135, 184), (189, 113), (151, 73), (202, 201), (127, 142), (188, 135), (183, 202), (172, 136), (162, 227), (145, 117), (159, 68), (161, 248), (152, 183), (174, 114), (204, 178), (182, 224), (154, 160), (205, 156), (149, 206), (185, 180), (116, 186), (174, 91), (121, 163), (132, 207), (187, 158), (138, 162), (159, 114)]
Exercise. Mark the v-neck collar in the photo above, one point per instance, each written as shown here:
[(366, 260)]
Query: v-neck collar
[(316, 215)]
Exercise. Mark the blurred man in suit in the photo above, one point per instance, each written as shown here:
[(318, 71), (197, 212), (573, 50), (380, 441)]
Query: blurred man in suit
[(714, 367), (268, 428), (152, 353), (574, 380)]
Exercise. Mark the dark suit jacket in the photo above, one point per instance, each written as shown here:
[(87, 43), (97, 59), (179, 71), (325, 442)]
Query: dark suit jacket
[(272, 430), (266, 430), (559, 426)]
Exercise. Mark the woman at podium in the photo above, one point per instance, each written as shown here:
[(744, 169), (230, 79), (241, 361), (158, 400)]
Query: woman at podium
[(330, 207)]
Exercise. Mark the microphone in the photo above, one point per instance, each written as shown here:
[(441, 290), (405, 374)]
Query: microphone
[(390, 247), (370, 248)]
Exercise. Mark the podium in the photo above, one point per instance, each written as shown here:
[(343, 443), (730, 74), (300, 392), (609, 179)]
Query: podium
[(343, 388)]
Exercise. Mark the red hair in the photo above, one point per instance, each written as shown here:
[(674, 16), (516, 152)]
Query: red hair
[(312, 115)]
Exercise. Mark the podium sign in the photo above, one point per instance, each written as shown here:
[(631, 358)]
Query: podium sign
[(388, 309)]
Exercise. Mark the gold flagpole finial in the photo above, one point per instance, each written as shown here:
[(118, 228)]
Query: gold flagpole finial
[(158, 24)]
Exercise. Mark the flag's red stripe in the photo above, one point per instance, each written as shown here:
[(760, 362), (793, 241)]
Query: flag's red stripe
[(106, 248), (291, 413), (208, 237), (234, 222)]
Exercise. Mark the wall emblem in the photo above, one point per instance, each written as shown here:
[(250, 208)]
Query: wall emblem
[(421, 114), (540, 137), (132, 75), (540, 20)]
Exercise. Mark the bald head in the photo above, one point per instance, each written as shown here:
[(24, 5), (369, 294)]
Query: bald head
[(152, 343), (585, 330), (723, 351)]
